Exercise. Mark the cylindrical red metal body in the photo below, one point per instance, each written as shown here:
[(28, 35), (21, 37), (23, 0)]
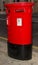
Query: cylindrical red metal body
[(19, 22)]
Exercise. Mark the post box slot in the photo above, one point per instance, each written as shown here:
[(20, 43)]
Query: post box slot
[(19, 10)]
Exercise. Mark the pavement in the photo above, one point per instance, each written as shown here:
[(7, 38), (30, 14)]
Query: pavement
[(6, 60)]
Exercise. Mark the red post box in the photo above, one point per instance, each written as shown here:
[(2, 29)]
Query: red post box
[(19, 22)]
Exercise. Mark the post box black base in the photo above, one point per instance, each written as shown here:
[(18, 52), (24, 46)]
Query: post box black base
[(21, 52)]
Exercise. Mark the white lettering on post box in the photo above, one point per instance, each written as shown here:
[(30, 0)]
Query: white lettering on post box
[(19, 21)]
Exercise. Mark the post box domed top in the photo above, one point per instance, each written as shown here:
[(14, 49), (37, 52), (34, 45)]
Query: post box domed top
[(19, 4)]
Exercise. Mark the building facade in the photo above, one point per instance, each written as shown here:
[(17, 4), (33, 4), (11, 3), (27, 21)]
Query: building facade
[(2, 8)]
